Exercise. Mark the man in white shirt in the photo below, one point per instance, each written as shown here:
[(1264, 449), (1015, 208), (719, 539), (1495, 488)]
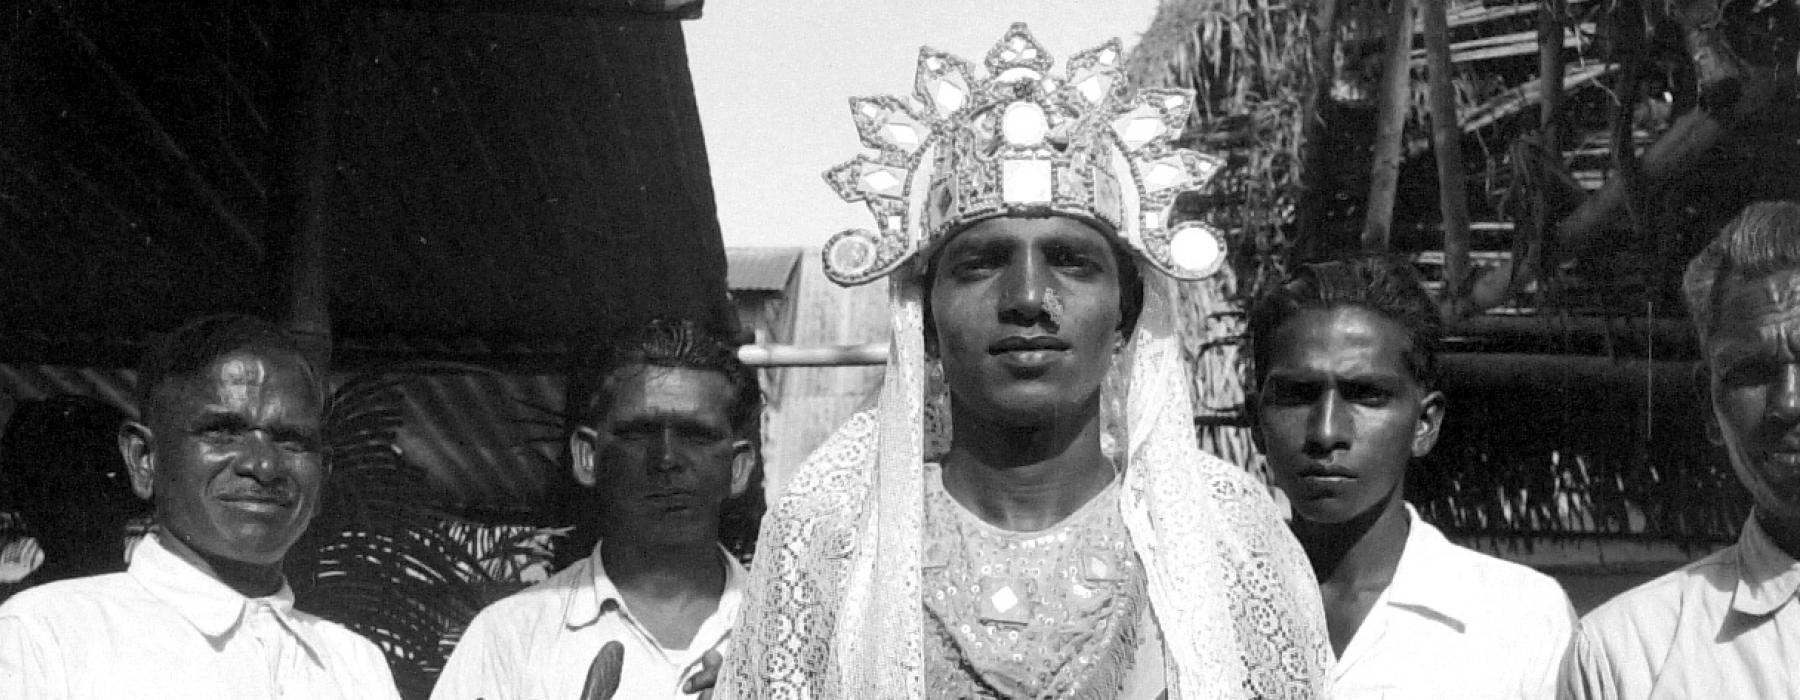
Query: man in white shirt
[(230, 452), (1344, 367), (1726, 626), (660, 416)]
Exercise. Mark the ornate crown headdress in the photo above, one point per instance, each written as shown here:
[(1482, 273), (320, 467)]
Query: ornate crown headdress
[(963, 149)]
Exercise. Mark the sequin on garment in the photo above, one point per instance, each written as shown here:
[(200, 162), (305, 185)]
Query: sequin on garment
[(1047, 614)]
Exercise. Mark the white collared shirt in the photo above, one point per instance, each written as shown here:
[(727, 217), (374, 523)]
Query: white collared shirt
[(166, 629), (1456, 623), (1721, 627), (538, 644)]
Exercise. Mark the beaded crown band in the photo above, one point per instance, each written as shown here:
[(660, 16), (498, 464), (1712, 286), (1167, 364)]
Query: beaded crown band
[(1020, 142)]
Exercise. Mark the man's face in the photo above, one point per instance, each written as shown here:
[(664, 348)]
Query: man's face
[(1340, 415), (663, 457), (1754, 371), (1027, 317), (234, 456)]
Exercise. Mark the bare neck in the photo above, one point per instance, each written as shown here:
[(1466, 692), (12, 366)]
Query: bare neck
[(1358, 554), (1784, 532), (1026, 478), (663, 572), (248, 579)]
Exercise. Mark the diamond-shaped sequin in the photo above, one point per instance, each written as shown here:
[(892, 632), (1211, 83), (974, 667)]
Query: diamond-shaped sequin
[(886, 124), (1094, 73), (942, 83), (1140, 126), (1163, 175), (1004, 600)]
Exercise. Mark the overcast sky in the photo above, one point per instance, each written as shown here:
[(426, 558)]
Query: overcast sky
[(773, 78)]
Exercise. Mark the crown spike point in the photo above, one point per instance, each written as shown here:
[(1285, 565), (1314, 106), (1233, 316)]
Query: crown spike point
[(864, 179), (889, 125), (944, 83), (1018, 49), (1094, 74)]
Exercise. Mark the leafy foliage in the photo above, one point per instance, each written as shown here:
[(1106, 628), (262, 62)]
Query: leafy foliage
[(380, 558)]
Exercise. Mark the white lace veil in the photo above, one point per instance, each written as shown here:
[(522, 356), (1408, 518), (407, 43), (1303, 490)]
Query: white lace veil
[(833, 607)]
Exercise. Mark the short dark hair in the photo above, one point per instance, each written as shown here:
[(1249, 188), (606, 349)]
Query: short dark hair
[(197, 343), (662, 342), (1763, 239), (1384, 284)]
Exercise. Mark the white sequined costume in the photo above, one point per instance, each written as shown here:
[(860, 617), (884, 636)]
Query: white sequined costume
[(836, 605)]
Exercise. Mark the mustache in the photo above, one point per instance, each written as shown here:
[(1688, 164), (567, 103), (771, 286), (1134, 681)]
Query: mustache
[(279, 496)]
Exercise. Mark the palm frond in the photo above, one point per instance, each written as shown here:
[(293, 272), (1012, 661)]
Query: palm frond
[(380, 557)]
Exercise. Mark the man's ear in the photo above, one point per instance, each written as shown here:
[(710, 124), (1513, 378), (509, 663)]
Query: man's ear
[(581, 456), (1431, 417), (137, 446), (743, 461)]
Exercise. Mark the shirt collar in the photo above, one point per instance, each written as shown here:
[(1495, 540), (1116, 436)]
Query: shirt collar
[(1423, 581), (207, 603), (596, 594), (1767, 576)]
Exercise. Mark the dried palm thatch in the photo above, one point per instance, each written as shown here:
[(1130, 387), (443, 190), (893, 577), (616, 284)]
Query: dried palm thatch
[(1250, 63), (379, 557)]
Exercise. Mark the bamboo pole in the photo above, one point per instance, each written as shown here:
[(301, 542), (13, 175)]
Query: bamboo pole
[(771, 355), (1447, 144), (1311, 206), (307, 141), (1390, 128), (1628, 49), (1550, 73)]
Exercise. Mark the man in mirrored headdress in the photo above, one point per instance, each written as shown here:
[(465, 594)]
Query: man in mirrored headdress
[(1026, 514)]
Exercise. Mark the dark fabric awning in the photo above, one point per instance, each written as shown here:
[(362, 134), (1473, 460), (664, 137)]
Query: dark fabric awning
[(493, 180)]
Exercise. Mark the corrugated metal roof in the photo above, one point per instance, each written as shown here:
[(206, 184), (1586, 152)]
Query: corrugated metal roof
[(761, 269)]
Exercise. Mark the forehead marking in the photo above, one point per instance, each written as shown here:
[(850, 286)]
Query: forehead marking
[(1763, 302), (242, 379)]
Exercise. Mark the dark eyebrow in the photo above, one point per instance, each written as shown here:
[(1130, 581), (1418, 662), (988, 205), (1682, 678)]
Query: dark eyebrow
[(220, 421), (1377, 380)]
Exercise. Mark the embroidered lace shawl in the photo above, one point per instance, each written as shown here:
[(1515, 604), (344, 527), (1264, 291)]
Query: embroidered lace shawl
[(833, 607)]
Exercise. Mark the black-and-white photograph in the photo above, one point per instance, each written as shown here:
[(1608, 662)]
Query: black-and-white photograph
[(926, 350)]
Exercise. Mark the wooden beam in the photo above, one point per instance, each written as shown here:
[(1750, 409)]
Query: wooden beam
[(1446, 142), (305, 130), (1390, 129), (1311, 207)]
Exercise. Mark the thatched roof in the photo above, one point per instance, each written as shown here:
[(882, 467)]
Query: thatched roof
[(1529, 449)]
